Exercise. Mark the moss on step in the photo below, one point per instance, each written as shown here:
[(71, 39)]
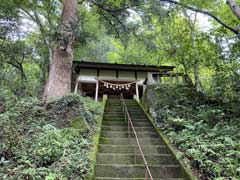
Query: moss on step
[(96, 138), (79, 123)]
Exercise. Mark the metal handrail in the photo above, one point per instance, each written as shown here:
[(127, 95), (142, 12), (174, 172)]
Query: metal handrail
[(130, 124)]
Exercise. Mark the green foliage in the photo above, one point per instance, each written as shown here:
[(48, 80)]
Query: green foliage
[(226, 84), (206, 133), (40, 142), (143, 33)]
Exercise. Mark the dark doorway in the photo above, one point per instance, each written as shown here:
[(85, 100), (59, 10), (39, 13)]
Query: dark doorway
[(88, 89)]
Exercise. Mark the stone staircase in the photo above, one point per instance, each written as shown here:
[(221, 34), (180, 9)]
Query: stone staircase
[(119, 157)]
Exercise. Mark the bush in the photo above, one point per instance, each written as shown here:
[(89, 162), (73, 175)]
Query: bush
[(206, 133), (51, 142)]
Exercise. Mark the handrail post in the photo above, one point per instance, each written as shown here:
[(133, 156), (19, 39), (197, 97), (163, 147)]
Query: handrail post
[(125, 115), (135, 156), (146, 173), (128, 128)]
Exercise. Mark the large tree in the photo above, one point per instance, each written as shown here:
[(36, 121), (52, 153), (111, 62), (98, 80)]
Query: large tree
[(59, 79)]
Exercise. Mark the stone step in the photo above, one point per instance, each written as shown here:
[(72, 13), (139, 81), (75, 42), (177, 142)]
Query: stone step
[(114, 106), (123, 119), (114, 115), (125, 129), (119, 157), (137, 171), (132, 107), (113, 178), (122, 115), (128, 149), (125, 141), (113, 110), (121, 110), (118, 100), (114, 134), (119, 113), (114, 119), (135, 123), (152, 159), (120, 103)]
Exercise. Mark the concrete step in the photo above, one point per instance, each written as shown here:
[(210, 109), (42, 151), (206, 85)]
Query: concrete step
[(125, 141), (152, 159), (123, 119), (112, 178), (120, 110), (135, 116), (114, 107), (116, 134), (120, 113), (128, 149), (113, 110), (111, 106), (119, 157), (125, 129), (138, 113), (114, 115), (137, 171), (136, 124), (119, 103)]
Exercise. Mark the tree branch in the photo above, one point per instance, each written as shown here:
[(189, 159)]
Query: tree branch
[(111, 24), (234, 30), (112, 13), (116, 10), (234, 7)]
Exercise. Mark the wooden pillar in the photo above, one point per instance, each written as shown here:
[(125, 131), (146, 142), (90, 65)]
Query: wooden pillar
[(76, 86), (137, 92), (96, 92)]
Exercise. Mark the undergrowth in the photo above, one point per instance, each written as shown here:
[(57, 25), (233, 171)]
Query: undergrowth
[(49, 142), (205, 132)]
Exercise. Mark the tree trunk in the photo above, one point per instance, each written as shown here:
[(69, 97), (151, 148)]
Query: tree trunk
[(59, 79), (234, 7), (197, 81)]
